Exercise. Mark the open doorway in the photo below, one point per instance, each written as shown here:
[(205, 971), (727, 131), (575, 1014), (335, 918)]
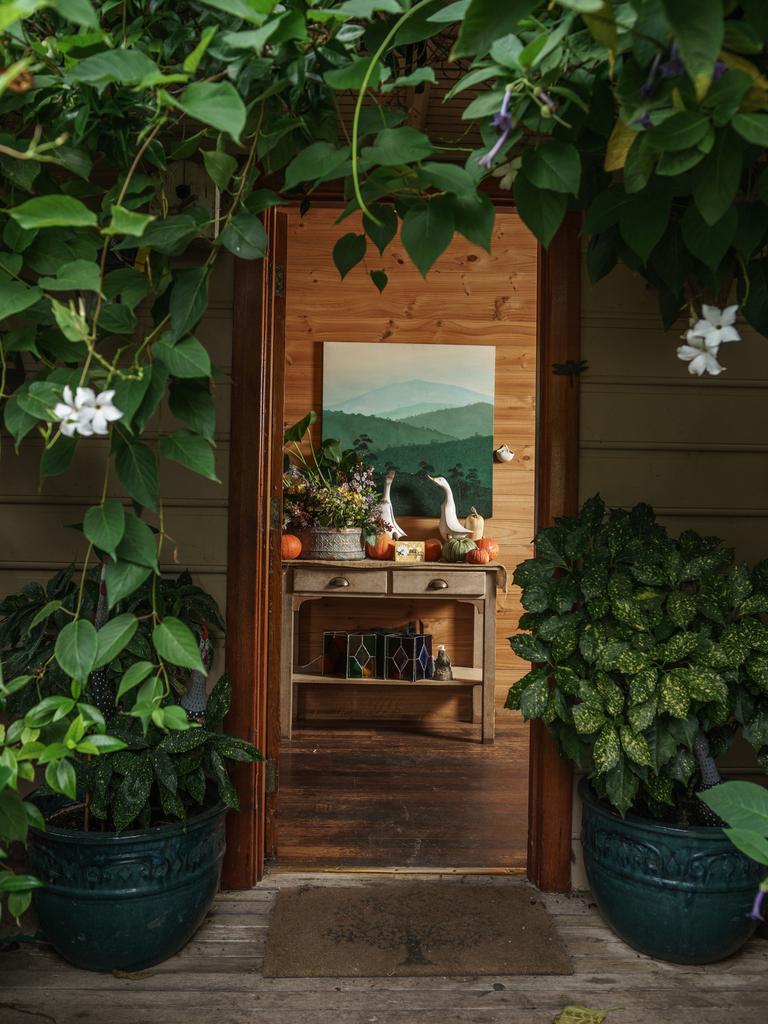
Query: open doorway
[(254, 643), (381, 778)]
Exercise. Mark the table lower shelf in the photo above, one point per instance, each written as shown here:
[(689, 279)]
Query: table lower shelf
[(461, 677)]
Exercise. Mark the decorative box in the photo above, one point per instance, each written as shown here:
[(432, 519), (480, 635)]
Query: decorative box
[(353, 655), (409, 550), (408, 656)]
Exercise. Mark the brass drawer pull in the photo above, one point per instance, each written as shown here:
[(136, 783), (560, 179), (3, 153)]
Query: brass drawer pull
[(338, 581), (438, 585)]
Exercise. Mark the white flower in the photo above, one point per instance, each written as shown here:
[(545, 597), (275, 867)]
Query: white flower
[(700, 356), (716, 326), (85, 412), (508, 172)]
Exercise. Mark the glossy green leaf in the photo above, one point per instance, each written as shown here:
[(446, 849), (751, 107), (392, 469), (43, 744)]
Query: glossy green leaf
[(485, 21), (176, 643), (220, 167), (76, 647), (127, 222), (542, 211), (126, 66), (190, 450), (122, 579), (113, 637), (189, 299), (244, 236), (217, 104), (398, 146), (427, 231), (555, 166), (78, 275), (51, 211), (347, 252), (136, 467), (186, 359), (698, 31)]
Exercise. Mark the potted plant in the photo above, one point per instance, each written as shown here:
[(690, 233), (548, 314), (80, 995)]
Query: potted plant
[(649, 652), (128, 862), (330, 500)]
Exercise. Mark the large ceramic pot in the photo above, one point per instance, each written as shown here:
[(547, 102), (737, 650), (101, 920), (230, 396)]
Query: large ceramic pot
[(326, 544), (126, 901), (677, 894)]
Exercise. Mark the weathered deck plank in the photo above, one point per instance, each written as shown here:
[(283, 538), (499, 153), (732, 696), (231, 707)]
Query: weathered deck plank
[(217, 978)]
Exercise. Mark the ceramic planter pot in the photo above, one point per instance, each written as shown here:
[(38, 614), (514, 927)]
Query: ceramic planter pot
[(326, 544), (677, 894), (130, 900)]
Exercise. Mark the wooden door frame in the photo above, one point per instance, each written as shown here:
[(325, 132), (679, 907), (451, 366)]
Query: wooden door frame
[(253, 556)]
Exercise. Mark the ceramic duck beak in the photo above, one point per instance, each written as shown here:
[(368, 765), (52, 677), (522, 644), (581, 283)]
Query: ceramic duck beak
[(430, 478)]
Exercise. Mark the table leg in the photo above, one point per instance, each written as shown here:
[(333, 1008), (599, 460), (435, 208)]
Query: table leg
[(489, 660)]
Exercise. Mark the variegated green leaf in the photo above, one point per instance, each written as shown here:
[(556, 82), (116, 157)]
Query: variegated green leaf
[(534, 698), (673, 694), (679, 647), (611, 694), (642, 715), (757, 669), (643, 686), (659, 788), (681, 608), (621, 785), (682, 766), (635, 746), (706, 684), (588, 717), (607, 750)]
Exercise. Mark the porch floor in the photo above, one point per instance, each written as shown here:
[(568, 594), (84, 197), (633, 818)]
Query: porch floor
[(217, 980)]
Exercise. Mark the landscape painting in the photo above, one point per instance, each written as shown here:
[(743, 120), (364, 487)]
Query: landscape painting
[(422, 410)]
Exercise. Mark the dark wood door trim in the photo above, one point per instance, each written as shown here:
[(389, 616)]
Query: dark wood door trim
[(550, 779), (253, 546)]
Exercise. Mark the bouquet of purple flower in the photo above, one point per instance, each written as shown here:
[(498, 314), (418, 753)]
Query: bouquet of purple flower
[(328, 486)]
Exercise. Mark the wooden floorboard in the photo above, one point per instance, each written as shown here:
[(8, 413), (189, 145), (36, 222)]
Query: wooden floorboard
[(218, 980), (399, 795)]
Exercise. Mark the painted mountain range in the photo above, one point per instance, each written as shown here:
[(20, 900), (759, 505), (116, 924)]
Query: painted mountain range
[(416, 419)]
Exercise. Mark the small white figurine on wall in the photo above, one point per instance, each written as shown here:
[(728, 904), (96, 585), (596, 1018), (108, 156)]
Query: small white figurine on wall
[(386, 511), (449, 521)]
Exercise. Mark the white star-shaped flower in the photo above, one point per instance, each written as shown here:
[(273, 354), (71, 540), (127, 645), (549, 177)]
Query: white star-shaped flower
[(716, 325), (700, 356), (86, 413)]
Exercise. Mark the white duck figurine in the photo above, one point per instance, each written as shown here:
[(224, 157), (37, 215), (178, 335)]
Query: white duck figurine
[(449, 521), (386, 511)]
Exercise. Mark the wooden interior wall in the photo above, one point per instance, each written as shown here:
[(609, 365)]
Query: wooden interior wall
[(35, 540), (693, 447), (469, 297)]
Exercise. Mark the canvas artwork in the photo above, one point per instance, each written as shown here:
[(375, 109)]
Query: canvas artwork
[(422, 410)]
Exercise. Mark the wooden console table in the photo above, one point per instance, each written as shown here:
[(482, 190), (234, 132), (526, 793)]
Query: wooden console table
[(306, 580)]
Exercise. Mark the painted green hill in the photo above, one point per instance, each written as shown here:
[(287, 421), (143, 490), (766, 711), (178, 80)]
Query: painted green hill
[(466, 421), (347, 427)]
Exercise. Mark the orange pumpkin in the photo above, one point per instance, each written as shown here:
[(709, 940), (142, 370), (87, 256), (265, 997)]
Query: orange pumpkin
[(489, 545), (383, 548), (433, 550), (477, 556), (290, 546)]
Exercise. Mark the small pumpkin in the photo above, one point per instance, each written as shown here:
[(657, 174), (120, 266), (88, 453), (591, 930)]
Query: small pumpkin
[(489, 545), (456, 549), (477, 557), (475, 524), (433, 549), (383, 547), (290, 546)]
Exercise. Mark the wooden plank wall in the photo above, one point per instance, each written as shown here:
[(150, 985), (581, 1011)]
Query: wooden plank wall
[(469, 297), (34, 538), (694, 448)]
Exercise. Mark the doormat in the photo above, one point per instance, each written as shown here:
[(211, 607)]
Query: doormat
[(412, 928)]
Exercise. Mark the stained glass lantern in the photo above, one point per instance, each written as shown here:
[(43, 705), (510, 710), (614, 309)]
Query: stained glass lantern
[(408, 656), (353, 655)]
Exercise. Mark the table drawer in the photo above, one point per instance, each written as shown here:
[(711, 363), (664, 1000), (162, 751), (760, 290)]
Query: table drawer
[(437, 583), (339, 581)]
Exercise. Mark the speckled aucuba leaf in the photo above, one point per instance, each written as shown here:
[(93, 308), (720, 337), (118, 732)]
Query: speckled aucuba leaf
[(565, 594), (705, 684), (536, 597), (550, 547), (755, 633), (588, 643), (620, 587), (608, 653), (642, 715), (679, 646), (561, 706), (735, 643), (684, 730), (565, 643), (662, 744), (621, 786), (594, 577), (682, 766), (598, 607), (659, 788), (635, 746), (611, 694), (529, 648), (681, 608), (588, 717), (531, 571), (512, 703), (631, 661), (673, 694), (756, 730), (757, 604), (549, 714), (757, 670), (551, 625), (642, 686), (607, 749), (567, 680), (628, 611), (534, 699)]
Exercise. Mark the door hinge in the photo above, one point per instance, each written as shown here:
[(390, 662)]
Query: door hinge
[(280, 280), (272, 775), (275, 516)]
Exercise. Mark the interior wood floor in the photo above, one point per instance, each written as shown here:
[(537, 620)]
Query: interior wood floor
[(218, 978), (407, 795)]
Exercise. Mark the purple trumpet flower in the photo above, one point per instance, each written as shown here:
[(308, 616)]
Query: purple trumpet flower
[(503, 121), (757, 906), (644, 121), (646, 89), (719, 70), (674, 66)]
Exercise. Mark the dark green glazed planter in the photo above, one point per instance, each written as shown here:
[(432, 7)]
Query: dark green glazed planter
[(677, 894), (125, 902)]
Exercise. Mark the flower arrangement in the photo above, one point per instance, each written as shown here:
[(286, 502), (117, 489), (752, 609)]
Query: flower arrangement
[(328, 487)]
